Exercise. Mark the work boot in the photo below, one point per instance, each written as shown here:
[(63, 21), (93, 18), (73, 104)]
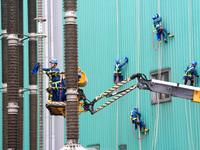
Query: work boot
[(165, 40), (141, 131), (146, 130), (170, 35)]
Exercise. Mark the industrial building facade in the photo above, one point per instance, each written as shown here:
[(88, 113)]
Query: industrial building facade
[(115, 29)]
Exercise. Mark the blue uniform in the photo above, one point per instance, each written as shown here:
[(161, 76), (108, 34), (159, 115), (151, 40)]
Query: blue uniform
[(159, 28), (63, 96), (55, 83), (190, 72), (118, 69), (133, 117)]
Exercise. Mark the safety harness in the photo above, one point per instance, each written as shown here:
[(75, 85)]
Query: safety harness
[(188, 74), (117, 69)]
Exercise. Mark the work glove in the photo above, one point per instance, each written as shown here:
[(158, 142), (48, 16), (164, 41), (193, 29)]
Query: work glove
[(126, 59), (35, 69)]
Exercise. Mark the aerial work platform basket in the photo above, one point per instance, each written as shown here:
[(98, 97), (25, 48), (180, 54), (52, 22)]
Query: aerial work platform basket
[(58, 108)]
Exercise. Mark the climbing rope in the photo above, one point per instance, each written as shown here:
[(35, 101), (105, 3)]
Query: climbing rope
[(154, 44), (117, 113), (135, 135), (187, 125), (157, 107), (190, 38), (138, 63)]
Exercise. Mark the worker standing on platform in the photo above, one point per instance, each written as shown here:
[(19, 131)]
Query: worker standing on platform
[(190, 72), (118, 70), (55, 79), (160, 30), (135, 118)]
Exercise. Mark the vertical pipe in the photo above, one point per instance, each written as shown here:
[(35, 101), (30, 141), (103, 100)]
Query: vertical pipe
[(32, 29), (4, 70), (21, 74), (71, 80), (71, 65), (40, 57), (13, 73)]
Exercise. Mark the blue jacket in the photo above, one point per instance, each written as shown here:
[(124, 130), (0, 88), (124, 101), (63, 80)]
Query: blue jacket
[(134, 113), (156, 23), (54, 78), (192, 71), (189, 66), (119, 66)]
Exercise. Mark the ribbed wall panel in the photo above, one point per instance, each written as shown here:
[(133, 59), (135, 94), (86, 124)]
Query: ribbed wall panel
[(97, 36)]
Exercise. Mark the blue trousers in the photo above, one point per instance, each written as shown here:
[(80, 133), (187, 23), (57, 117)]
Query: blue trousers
[(63, 96), (142, 125), (56, 93), (120, 77), (189, 78), (162, 33)]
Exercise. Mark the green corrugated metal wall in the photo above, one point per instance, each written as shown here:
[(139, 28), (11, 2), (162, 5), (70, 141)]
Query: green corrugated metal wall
[(97, 22), (97, 27)]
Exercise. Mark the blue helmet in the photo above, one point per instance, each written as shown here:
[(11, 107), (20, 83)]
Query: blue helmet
[(54, 61), (194, 63), (154, 17), (136, 108), (117, 61)]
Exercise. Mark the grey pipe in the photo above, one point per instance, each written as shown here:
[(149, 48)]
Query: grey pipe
[(32, 78), (4, 70), (40, 58), (13, 73)]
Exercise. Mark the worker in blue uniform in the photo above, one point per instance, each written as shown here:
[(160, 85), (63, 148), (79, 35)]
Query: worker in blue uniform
[(63, 96), (118, 69), (159, 29), (190, 72), (55, 79), (135, 118)]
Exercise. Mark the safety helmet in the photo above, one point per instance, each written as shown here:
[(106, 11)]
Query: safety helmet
[(54, 61), (194, 63), (117, 61), (154, 17), (136, 108)]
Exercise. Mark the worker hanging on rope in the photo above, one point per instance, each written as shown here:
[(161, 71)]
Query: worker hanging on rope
[(55, 79), (118, 70), (159, 29), (135, 118), (190, 72)]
